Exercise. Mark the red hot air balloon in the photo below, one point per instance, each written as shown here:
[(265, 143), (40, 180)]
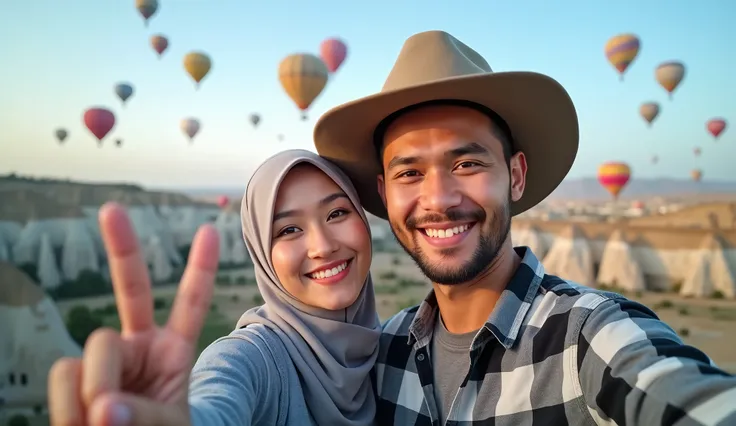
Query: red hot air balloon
[(716, 126), (99, 121), (333, 52), (223, 201), (159, 44)]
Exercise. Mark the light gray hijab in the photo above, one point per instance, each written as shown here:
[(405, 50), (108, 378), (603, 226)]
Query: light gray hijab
[(333, 351)]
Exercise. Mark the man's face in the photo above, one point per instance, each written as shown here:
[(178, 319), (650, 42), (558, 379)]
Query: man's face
[(448, 189)]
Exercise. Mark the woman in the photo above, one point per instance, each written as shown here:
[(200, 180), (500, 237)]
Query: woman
[(304, 357)]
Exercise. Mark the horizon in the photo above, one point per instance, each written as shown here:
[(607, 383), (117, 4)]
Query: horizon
[(55, 78)]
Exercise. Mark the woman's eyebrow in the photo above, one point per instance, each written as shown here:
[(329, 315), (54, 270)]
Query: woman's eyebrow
[(326, 200)]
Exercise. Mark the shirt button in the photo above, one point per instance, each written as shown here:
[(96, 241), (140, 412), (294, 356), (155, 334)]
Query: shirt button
[(420, 357)]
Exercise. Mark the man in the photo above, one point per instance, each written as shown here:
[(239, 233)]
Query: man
[(457, 150)]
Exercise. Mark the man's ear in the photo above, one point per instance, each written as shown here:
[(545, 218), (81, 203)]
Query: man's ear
[(517, 170), (381, 188)]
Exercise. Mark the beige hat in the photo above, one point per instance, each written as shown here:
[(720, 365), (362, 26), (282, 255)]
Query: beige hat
[(432, 66)]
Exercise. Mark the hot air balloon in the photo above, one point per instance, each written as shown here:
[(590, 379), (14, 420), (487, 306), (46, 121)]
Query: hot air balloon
[(669, 75), (303, 76), (614, 176), (255, 119), (197, 64), (333, 52), (280, 138), (649, 111), (637, 204), (621, 51), (118, 142), (99, 121), (655, 159), (696, 151), (147, 8), (124, 91), (61, 135), (159, 43), (223, 201), (716, 126), (190, 127), (696, 175)]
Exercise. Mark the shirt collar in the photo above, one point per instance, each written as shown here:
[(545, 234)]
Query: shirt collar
[(507, 316)]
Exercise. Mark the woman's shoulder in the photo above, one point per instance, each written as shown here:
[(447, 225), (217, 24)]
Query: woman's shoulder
[(256, 342)]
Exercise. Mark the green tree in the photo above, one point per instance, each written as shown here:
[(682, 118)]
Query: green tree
[(88, 283), (81, 322), (19, 420)]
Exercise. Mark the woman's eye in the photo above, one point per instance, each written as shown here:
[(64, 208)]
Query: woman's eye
[(288, 230), (337, 213)]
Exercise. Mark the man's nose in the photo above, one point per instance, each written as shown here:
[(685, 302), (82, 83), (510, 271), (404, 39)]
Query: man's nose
[(321, 243), (439, 192)]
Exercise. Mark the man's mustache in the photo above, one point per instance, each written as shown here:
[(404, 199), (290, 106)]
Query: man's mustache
[(454, 215)]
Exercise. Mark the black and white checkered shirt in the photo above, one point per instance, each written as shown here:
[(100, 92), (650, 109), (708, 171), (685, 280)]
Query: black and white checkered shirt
[(554, 353)]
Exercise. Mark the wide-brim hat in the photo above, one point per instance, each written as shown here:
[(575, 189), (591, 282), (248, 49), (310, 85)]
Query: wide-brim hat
[(434, 66)]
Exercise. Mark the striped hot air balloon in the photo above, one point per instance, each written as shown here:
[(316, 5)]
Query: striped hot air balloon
[(669, 75), (621, 50), (303, 76), (614, 176)]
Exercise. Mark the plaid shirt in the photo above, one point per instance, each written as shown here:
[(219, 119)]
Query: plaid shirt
[(554, 353)]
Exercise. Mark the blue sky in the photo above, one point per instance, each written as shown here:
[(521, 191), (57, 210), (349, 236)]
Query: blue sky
[(61, 57)]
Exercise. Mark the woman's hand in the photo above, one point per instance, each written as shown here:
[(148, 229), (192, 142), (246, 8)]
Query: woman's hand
[(139, 376)]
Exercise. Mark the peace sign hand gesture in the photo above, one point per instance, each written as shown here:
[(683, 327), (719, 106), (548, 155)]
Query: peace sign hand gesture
[(139, 376)]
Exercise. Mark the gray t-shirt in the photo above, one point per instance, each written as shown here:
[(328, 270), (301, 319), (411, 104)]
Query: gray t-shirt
[(450, 364)]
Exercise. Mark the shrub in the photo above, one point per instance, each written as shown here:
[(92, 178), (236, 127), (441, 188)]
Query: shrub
[(19, 420), (81, 322)]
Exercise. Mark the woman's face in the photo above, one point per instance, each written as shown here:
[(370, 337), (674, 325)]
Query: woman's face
[(320, 247)]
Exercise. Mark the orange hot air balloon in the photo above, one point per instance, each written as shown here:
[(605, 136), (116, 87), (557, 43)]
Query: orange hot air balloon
[(716, 126), (303, 77), (197, 64), (696, 151), (669, 75), (614, 176), (159, 44), (621, 50), (649, 111), (696, 175)]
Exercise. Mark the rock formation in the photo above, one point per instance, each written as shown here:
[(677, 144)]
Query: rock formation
[(32, 337), (619, 267), (570, 257)]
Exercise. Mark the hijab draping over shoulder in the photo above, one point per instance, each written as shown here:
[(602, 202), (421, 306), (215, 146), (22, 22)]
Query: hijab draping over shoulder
[(333, 351)]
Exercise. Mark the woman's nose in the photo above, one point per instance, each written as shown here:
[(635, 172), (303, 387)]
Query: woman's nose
[(321, 243)]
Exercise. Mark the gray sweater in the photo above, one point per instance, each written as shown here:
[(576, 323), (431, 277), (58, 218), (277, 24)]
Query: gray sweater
[(244, 379)]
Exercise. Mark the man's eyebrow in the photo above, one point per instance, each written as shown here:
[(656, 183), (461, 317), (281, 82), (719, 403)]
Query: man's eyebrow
[(401, 161), (326, 200), (471, 148)]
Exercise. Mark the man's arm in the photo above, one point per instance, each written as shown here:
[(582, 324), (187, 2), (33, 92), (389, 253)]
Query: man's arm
[(635, 370)]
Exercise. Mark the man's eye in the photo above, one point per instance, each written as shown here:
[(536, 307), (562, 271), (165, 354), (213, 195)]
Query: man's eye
[(408, 173)]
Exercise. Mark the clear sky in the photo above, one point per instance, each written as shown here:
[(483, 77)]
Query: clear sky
[(63, 56)]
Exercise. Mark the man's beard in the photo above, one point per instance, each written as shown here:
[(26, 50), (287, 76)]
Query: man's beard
[(488, 248)]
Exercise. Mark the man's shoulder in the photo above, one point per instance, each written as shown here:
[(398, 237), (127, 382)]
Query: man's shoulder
[(557, 295)]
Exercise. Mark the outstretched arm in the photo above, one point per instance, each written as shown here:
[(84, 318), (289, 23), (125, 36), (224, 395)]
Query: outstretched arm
[(635, 370), (234, 383)]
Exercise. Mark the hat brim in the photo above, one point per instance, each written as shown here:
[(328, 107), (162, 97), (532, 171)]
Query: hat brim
[(537, 109)]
